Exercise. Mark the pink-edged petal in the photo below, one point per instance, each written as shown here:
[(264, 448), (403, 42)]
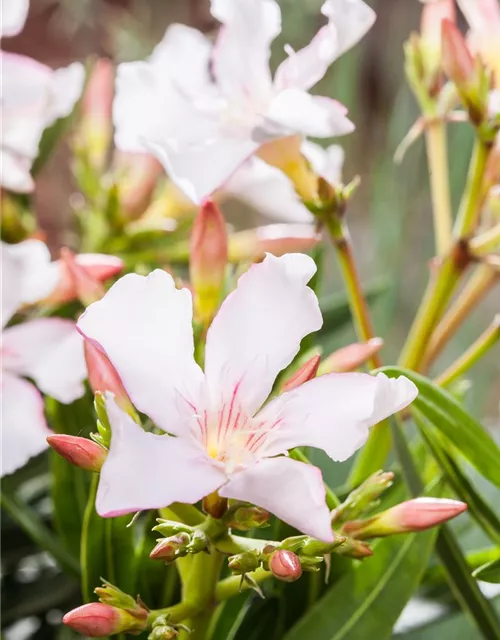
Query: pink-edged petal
[(14, 14), (259, 327), (352, 19), (26, 275), (147, 471), (24, 429), (301, 113), (144, 326), (483, 17), (242, 49), (327, 162), (49, 350), (268, 190), (334, 412), (291, 490)]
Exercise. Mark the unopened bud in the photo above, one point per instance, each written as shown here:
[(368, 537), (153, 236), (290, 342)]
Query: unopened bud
[(306, 372), (81, 452), (285, 565), (433, 14), (97, 620), (198, 542), (169, 549), (351, 357), (208, 261), (96, 126), (244, 562), (353, 548), (170, 527), (80, 276), (103, 377), (162, 630), (136, 175), (312, 547), (214, 505), (457, 59), (278, 239), (245, 518), (410, 516), (363, 497)]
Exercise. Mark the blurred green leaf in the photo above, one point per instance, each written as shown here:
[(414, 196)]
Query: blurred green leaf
[(455, 423), (28, 519), (478, 508), (489, 572), (366, 602)]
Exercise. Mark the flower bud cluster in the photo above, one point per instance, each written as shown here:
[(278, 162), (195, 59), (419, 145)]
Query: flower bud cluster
[(180, 540)]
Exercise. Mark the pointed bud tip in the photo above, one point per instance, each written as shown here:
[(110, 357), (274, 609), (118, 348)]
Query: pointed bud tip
[(306, 372), (81, 452), (422, 513)]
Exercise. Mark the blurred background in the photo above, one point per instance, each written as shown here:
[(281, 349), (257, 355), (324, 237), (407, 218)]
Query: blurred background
[(390, 216)]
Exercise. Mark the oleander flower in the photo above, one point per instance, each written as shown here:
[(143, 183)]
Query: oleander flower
[(219, 434), (203, 110), (49, 351), (34, 96)]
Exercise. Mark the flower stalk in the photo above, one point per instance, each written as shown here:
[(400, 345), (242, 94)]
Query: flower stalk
[(473, 354)]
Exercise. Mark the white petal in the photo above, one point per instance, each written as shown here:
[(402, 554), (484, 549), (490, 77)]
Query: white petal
[(242, 50), (24, 429), (291, 490), (15, 172), (49, 350), (258, 329), (334, 412), (304, 68), (268, 190), (66, 89), (351, 19), (327, 162), (147, 471), (144, 325), (316, 116), (27, 276), (483, 17), (14, 14)]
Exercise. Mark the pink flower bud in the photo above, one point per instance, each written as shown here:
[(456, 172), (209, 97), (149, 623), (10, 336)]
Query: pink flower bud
[(351, 357), (81, 452), (353, 548), (410, 516), (208, 260), (277, 239), (285, 565), (171, 548), (99, 620), (104, 377), (137, 175), (306, 372), (96, 125), (458, 63), (433, 14), (80, 276)]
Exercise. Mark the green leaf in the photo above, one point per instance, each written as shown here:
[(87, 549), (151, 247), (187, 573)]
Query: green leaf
[(367, 601), (107, 550), (456, 424), (482, 513), (28, 519), (455, 566), (489, 572)]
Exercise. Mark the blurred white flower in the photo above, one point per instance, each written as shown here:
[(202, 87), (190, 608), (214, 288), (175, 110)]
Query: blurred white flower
[(14, 13), (203, 110), (47, 350)]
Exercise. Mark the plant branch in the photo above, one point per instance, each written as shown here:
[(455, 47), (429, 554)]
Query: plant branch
[(230, 587), (437, 158)]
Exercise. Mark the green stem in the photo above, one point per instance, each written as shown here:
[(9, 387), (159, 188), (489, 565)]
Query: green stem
[(437, 159), (87, 588), (230, 587), (29, 521), (231, 544), (474, 353), (486, 242), (470, 205), (177, 613), (341, 240)]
